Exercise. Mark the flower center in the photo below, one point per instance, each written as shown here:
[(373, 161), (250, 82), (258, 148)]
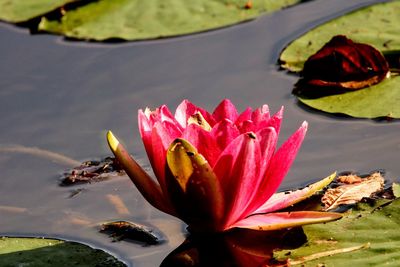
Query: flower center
[(199, 120)]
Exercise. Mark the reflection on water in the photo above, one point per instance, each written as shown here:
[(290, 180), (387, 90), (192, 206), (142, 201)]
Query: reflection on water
[(61, 97), (240, 248)]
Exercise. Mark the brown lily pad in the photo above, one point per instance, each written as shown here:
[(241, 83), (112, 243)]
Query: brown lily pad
[(342, 65)]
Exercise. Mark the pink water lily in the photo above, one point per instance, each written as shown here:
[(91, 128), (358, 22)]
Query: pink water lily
[(219, 171)]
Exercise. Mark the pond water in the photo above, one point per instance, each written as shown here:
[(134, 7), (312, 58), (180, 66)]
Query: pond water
[(61, 97)]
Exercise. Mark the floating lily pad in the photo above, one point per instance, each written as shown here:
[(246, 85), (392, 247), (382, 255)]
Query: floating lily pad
[(50, 252), (372, 227), (396, 190), (381, 100), (377, 25), (134, 19), (23, 10)]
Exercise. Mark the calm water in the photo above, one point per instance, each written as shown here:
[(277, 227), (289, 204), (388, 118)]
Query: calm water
[(62, 96)]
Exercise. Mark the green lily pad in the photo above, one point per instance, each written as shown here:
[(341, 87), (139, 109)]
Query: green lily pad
[(380, 100), (396, 189), (377, 25), (135, 20), (51, 252), (23, 10), (373, 224)]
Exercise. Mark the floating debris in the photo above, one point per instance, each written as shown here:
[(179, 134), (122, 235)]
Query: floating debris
[(121, 230), (352, 189), (92, 171)]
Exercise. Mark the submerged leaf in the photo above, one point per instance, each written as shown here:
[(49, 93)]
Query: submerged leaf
[(120, 230), (352, 193), (93, 171)]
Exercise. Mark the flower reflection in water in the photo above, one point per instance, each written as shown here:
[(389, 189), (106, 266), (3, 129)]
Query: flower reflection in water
[(238, 248)]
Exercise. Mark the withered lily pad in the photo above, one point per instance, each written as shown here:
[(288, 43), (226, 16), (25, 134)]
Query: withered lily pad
[(377, 26), (124, 230), (135, 20), (343, 64), (92, 171)]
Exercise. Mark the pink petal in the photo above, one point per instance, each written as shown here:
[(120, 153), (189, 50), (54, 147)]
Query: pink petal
[(224, 133), (244, 116), (203, 141), (261, 114), (161, 138), (275, 121), (145, 132), (238, 169), (186, 109), (279, 166), (281, 220), (166, 116), (283, 200), (268, 140), (225, 110), (246, 126)]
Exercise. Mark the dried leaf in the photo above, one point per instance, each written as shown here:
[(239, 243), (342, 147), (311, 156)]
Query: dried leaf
[(349, 179), (327, 254), (92, 171), (352, 193)]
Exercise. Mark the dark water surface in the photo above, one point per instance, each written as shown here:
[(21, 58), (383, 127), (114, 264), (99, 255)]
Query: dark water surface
[(62, 96)]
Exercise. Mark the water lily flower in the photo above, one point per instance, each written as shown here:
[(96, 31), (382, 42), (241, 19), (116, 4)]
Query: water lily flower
[(219, 171)]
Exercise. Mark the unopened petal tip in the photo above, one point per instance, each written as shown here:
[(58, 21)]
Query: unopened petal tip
[(112, 141)]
